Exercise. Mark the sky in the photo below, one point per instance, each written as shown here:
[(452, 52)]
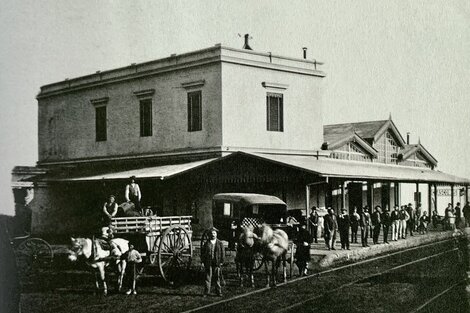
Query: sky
[(410, 59)]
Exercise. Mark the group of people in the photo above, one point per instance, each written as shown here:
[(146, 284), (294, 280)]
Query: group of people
[(399, 222), (453, 216)]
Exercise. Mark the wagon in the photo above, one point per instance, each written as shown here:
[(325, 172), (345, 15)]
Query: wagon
[(168, 241), (231, 211)]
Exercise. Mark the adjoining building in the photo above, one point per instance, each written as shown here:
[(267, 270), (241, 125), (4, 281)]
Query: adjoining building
[(209, 121)]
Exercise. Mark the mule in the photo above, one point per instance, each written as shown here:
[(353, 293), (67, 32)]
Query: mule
[(273, 245), (98, 258), (245, 258)]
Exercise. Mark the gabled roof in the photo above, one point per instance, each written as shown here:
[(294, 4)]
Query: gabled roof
[(335, 139), (409, 150), (370, 130)]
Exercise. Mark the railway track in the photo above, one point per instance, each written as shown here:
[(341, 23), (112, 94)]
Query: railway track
[(310, 293)]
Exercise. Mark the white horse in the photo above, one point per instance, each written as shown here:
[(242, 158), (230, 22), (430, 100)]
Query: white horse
[(98, 258), (273, 245)]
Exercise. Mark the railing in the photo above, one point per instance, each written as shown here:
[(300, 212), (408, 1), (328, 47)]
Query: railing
[(148, 224)]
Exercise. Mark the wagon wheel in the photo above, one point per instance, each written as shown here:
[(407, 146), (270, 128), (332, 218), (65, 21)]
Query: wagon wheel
[(175, 252), (258, 261), (32, 255)]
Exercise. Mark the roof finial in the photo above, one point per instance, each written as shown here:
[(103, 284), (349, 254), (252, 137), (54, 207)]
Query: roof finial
[(390, 116), (419, 140)]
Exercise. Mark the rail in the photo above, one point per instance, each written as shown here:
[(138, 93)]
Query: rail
[(148, 224)]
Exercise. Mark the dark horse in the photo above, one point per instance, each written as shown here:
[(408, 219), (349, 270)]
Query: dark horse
[(273, 245), (245, 257)]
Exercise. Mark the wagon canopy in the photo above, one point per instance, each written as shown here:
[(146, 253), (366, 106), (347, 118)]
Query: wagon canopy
[(246, 199)]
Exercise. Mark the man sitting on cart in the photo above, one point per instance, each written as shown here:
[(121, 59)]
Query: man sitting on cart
[(212, 256)]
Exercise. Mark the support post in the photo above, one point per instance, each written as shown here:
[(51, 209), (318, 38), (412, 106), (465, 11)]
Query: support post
[(466, 194), (307, 203), (435, 197), (370, 195), (398, 194), (343, 195), (429, 200), (452, 195), (417, 200)]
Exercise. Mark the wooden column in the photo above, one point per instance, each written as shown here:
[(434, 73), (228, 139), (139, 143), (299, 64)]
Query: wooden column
[(435, 197), (398, 194), (307, 203), (430, 199), (417, 200), (343, 195), (452, 195), (370, 195), (466, 194)]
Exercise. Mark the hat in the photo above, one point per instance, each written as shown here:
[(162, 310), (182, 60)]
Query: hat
[(213, 229)]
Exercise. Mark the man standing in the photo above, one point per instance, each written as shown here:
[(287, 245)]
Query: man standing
[(133, 193), (343, 224), (212, 256), (302, 253), (419, 213), (395, 218), (354, 225), (386, 222), (376, 224), (458, 215), (404, 217), (412, 219), (466, 214), (330, 225), (313, 220), (364, 223)]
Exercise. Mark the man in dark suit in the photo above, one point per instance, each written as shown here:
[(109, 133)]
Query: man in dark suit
[(386, 222), (313, 220), (343, 225), (212, 256), (364, 223), (410, 225), (331, 226), (376, 224)]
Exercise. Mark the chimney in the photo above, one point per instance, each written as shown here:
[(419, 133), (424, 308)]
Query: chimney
[(246, 45), (305, 52), (408, 138)]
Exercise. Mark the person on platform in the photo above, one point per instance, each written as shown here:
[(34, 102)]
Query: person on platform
[(423, 223), (133, 194), (330, 225), (376, 224), (110, 209), (458, 215), (395, 218), (404, 217), (364, 223), (466, 214), (133, 257), (313, 220), (212, 256), (450, 217), (355, 218), (344, 222), (386, 223), (302, 254), (419, 213), (410, 225)]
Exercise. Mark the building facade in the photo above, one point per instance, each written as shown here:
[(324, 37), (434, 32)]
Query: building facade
[(214, 120)]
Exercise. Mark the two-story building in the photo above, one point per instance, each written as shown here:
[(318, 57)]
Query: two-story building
[(214, 120)]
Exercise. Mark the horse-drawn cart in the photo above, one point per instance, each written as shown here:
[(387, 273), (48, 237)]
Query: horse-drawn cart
[(168, 240)]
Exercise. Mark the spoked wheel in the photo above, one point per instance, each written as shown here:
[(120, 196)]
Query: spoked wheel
[(32, 255), (258, 261), (175, 253)]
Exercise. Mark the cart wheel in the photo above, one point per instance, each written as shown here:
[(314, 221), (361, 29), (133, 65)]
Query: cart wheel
[(32, 255), (175, 252), (204, 239), (258, 261)]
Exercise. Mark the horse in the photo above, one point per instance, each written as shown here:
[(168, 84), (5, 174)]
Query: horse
[(273, 245), (245, 254), (99, 258)]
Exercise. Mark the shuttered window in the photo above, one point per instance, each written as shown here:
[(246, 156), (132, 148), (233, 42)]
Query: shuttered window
[(100, 123), (274, 112), (146, 118), (194, 111)]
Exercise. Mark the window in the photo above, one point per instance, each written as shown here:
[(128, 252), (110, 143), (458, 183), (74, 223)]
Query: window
[(274, 112), (145, 118), (100, 123), (227, 209), (194, 111)]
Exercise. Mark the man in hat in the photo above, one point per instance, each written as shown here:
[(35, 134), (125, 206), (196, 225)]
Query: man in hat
[(133, 193), (212, 256)]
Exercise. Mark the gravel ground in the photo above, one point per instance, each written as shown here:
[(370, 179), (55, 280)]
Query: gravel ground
[(402, 290)]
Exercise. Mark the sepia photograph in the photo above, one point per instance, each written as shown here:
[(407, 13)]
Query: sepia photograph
[(235, 156)]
